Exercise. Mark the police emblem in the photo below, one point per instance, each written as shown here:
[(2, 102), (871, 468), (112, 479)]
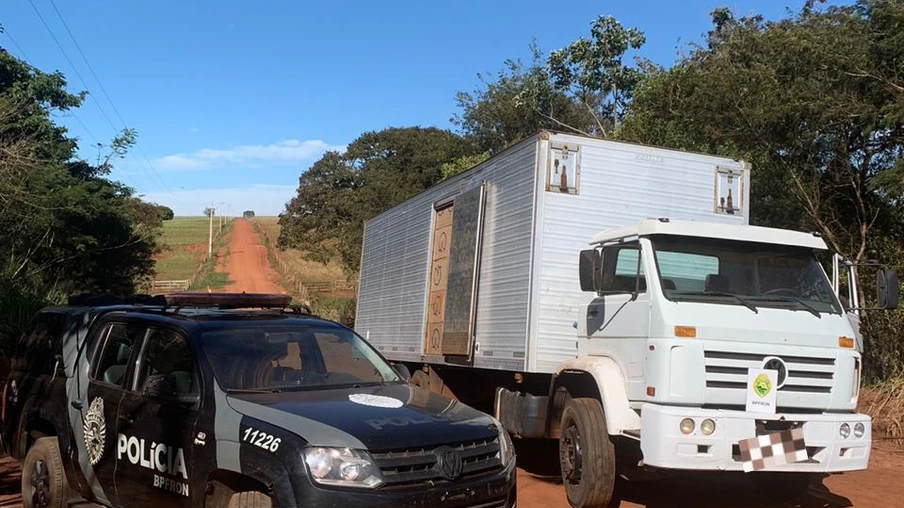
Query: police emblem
[(95, 431)]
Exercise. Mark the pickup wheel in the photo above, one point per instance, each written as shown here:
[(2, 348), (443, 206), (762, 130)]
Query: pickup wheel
[(781, 486), (250, 500), (586, 454), (44, 482)]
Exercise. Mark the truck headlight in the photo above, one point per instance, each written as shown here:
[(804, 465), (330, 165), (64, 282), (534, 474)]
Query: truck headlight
[(506, 447), (342, 467), (859, 430), (844, 431)]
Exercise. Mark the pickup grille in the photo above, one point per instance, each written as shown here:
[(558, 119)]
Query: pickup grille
[(806, 374), (418, 465)]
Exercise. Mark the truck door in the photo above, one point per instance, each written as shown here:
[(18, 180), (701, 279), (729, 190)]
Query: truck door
[(622, 308), (110, 371), (157, 420)]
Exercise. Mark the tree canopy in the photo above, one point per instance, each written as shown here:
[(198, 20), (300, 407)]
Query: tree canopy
[(63, 224), (377, 171)]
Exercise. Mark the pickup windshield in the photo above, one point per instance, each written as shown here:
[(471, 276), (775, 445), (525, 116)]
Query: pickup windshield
[(276, 357), (742, 273)]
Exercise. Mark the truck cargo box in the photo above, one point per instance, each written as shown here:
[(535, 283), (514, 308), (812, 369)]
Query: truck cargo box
[(481, 269)]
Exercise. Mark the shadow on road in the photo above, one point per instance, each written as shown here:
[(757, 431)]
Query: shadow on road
[(539, 457), (9, 482)]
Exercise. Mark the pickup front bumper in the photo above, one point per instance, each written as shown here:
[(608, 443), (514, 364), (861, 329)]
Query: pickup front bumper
[(664, 445)]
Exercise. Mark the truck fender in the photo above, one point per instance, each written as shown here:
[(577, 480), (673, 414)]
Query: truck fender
[(610, 382)]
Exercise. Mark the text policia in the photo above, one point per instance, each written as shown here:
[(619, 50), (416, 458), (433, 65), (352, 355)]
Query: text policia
[(158, 456)]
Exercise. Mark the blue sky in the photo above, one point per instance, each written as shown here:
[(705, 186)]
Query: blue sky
[(233, 100)]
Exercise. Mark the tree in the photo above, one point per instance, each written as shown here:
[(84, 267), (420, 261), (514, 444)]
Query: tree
[(519, 102), (377, 171), (63, 225), (165, 212), (816, 102), (592, 72), (248, 214)]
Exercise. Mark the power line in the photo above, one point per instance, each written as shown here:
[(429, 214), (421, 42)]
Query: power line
[(16, 44), (148, 168)]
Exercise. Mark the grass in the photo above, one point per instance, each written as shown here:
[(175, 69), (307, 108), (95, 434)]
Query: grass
[(884, 402), (208, 277), (183, 247), (339, 308), (296, 263)]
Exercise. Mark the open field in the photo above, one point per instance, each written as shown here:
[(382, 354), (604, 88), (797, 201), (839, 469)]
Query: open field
[(296, 264), (184, 250)]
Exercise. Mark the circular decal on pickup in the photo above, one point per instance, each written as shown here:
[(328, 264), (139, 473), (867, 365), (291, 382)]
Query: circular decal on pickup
[(375, 400), (95, 431)]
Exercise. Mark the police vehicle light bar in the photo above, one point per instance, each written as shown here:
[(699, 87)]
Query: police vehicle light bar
[(229, 300)]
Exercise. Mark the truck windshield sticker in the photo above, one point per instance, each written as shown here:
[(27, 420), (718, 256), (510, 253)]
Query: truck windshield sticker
[(95, 429), (375, 400), (261, 439)]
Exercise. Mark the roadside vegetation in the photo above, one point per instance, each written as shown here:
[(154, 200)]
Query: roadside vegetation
[(65, 226), (183, 252), (208, 276), (306, 279)]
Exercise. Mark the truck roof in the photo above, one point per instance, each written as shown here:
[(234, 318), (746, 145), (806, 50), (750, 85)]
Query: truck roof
[(743, 233)]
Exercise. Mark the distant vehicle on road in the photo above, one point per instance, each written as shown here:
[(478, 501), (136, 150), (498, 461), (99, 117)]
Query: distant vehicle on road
[(543, 287), (238, 400)]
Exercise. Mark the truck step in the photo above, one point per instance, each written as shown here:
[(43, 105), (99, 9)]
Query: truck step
[(632, 433)]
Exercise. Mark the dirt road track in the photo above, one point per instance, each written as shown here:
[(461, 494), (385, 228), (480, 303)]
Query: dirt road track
[(247, 264)]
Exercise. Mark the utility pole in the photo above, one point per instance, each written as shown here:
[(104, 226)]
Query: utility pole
[(210, 231)]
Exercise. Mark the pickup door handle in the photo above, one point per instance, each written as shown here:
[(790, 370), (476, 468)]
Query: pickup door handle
[(126, 420), (77, 404)]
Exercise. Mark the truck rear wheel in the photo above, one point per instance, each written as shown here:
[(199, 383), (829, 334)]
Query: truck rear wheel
[(781, 486), (44, 482), (586, 454), (250, 500)]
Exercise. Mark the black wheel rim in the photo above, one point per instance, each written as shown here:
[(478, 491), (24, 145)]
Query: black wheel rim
[(40, 485), (571, 454)]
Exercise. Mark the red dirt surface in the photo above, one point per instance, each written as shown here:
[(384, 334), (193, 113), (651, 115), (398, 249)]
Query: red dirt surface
[(882, 485), (247, 264)]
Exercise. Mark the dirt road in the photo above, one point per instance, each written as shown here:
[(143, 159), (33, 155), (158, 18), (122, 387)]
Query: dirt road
[(880, 486), (247, 264)]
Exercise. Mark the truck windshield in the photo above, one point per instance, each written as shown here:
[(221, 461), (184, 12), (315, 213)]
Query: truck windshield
[(742, 273), (275, 358)]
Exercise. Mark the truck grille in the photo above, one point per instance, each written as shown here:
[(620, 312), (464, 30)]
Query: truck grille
[(727, 370), (417, 465)]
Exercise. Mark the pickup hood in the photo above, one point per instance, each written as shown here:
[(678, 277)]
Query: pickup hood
[(387, 417)]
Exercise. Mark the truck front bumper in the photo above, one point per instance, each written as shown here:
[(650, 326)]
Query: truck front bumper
[(664, 445)]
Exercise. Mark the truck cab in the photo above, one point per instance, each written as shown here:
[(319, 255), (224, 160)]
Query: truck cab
[(684, 319)]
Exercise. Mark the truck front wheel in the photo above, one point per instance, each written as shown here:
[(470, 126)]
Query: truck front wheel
[(586, 454), (44, 482)]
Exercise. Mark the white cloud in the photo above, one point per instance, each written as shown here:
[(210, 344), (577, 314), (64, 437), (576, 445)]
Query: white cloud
[(265, 200), (282, 152)]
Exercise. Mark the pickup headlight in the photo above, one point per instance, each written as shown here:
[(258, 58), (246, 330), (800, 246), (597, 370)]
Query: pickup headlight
[(506, 447), (342, 467)]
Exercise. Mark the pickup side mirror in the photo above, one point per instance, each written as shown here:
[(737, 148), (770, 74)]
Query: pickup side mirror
[(402, 371), (887, 288), (589, 268)]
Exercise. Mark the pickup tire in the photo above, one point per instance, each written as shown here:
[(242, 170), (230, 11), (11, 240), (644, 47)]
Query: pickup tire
[(44, 483), (586, 454), (250, 500)]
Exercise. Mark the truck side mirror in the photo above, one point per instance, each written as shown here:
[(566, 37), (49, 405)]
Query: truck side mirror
[(887, 288), (589, 268)]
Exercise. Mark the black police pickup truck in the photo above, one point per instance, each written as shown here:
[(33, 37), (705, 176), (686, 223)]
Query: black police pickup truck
[(234, 400)]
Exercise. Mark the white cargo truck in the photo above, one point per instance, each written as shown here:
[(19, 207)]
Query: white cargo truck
[(613, 296)]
